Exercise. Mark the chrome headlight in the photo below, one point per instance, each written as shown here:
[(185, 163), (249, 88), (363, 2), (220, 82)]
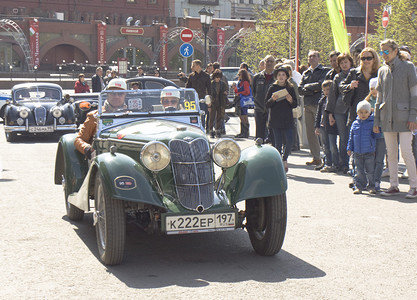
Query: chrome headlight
[(23, 112), (226, 153), (155, 156), (56, 112)]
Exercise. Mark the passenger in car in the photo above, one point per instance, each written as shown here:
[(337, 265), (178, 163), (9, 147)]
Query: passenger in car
[(88, 129), (135, 86), (170, 98)]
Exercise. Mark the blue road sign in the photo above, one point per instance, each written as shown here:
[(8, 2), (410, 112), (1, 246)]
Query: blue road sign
[(186, 50)]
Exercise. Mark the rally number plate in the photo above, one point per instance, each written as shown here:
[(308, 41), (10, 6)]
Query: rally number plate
[(41, 129), (200, 223)]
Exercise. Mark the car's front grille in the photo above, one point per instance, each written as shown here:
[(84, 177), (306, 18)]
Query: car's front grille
[(40, 115), (193, 173)]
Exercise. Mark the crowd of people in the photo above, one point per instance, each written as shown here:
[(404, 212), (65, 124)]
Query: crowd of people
[(356, 110)]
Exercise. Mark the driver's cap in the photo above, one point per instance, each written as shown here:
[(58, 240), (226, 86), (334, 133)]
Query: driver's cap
[(170, 91), (117, 84)]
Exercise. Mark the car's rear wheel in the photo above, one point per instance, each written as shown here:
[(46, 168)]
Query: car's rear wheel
[(266, 222), (110, 222), (11, 137), (73, 212)]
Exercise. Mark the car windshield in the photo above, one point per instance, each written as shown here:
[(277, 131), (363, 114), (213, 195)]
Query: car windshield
[(137, 102), (37, 93), (231, 74)]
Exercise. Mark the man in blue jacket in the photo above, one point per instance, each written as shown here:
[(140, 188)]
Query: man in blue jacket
[(362, 143)]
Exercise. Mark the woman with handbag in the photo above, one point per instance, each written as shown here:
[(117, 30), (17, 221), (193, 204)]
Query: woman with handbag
[(244, 91), (280, 100), (338, 110)]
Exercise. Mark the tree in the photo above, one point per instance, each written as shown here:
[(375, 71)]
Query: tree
[(272, 34), (402, 26)]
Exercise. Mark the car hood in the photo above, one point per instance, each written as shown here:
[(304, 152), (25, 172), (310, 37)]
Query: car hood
[(151, 130)]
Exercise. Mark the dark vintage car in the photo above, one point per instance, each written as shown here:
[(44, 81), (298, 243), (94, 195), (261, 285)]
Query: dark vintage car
[(4, 99), (154, 166), (38, 108), (86, 102)]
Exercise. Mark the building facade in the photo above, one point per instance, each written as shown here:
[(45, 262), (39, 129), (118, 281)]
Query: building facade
[(145, 32)]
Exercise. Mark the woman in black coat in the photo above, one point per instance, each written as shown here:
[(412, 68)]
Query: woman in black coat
[(280, 116), (356, 84)]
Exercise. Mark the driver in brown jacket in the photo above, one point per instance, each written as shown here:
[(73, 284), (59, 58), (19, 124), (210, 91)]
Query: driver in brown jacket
[(88, 129)]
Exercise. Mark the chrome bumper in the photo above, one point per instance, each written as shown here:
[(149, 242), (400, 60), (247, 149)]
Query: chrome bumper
[(8, 128)]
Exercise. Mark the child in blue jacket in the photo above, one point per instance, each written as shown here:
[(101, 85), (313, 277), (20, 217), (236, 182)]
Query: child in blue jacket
[(362, 143)]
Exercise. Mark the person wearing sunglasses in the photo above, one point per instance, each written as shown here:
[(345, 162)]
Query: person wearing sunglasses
[(396, 112), (356, 85), (170, 98)]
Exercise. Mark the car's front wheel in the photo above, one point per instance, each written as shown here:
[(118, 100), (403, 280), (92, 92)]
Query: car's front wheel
[(266, 222), (110, 222)]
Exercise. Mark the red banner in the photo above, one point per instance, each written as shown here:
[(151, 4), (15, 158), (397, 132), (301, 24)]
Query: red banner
[(101, 43), (163, 54), (220, 43), (34, 41)]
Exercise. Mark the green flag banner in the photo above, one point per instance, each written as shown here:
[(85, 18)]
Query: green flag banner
[(336, 9)]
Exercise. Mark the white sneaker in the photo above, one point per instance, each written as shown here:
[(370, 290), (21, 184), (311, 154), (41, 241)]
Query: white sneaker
[(412, 194), (405, 174), (385, 173)]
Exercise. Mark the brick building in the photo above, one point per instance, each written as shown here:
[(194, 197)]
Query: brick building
[(146, 32)]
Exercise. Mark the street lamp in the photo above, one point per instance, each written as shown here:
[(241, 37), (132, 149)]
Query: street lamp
[(206, 18), (11, 69), (36, 73), (60, 70)]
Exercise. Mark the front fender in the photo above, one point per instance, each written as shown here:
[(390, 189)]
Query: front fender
[(125, 179), (70, 163), (259, 173)]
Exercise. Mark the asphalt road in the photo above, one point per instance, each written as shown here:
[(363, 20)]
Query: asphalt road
[(338, 245)]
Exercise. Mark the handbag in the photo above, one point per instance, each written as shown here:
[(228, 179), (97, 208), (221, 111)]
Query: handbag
[(247, 101), (347, 97)]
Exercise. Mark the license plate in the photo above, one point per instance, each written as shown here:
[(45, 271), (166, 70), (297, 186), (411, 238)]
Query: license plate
[(200, 223), (41, 129)]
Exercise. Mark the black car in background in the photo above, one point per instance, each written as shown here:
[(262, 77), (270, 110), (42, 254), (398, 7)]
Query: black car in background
[(38, 108)]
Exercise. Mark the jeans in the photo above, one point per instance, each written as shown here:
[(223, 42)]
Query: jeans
[(379, 159), (279, 135), (364, 169), (343, 129), (328, 159), (333, 149)]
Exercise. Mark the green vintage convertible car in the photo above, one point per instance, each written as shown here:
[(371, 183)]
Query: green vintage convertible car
[(155, 166)]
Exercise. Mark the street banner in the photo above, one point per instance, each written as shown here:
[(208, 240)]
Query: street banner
[(336, 9), (101, 42), (163, 54), (220, 43), (34, 41)]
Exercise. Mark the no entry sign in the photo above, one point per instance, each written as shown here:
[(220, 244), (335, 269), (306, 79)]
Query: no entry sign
[(186, 35), (385, 19)]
